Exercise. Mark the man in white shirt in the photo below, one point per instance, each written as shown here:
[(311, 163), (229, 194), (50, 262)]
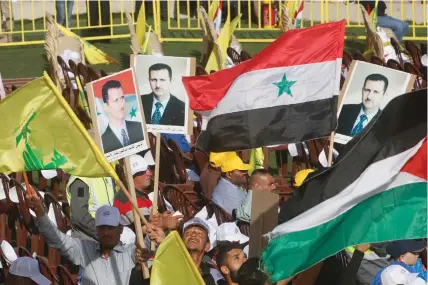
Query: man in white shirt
[(119, 132), (355, 117), (160, 106)]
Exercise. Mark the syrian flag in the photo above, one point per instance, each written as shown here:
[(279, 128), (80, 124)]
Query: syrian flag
[(217, 18), (298, 15), (287, 93), (376, 192)]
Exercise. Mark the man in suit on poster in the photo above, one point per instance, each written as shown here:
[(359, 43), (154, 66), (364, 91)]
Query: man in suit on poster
[(355, 117), (119, 132), (160, 106)]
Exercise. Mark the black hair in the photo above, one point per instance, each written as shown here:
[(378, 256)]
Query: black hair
[(250, 274), (257, 173), (378, 77), (111, 84), (160, 66), (223, 248)]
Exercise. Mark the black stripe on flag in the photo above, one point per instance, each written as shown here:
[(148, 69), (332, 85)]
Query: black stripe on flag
[(401, 125), (270, 126)]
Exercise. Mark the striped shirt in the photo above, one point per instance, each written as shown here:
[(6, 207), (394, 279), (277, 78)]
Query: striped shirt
[(95, 269)]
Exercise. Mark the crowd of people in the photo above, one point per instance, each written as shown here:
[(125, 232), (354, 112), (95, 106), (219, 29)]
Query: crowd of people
[(103, 247), (102, 243)]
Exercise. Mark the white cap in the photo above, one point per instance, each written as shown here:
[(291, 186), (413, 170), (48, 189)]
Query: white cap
[(107, 216), (231, 232), (49, 174), (148, 157), (424, 60), (140, 164), (396, 274), (8, 252), (28, 267)]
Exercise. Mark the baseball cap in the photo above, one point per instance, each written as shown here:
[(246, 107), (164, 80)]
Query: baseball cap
[(138, 164), (230, 232), (197, 222), (300, 176), (107, 216), (400, 247), (396, 274), (28, 267), (228, 161), (49, 174)]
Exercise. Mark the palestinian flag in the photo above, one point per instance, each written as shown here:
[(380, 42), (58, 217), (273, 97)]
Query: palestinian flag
[(376, 192), (285, 94)]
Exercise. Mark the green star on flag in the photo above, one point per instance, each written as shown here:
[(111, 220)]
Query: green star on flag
[(284, 86), (133, 112)]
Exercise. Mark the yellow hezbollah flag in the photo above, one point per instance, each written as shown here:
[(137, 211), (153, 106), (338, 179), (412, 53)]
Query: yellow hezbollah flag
[(373, 14), (223, 42), (166, 270), (93, 55), (40, 131), (140, 28), (257, 158)]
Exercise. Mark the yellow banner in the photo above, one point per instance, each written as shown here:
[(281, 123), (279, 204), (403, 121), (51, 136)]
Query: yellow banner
[(40, 131), (223, 42), (93, 54), (173, 265)]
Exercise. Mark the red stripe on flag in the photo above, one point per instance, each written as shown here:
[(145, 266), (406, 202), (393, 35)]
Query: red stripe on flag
[(417, 165), (318, 43), (299, 10)]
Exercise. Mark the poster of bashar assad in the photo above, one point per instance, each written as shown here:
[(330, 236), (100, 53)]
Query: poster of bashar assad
[(117, 110), (368, 90), (165, 102)]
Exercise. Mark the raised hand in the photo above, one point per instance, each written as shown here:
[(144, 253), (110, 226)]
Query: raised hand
[(34, 203)]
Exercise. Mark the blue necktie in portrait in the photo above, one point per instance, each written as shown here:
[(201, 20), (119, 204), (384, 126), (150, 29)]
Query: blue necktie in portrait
[(357, 129), (157, 115), (125, 138)]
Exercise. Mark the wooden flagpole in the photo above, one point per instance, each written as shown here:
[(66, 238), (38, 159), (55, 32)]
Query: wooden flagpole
[(330, 150), (156, 179), (137, 221), (27, 183)]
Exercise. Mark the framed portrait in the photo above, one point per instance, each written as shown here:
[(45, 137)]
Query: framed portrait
[(117, 115), (164, 98), (367, 90)]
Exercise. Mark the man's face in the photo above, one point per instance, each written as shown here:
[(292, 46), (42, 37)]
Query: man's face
[(115, 105), (196, 239), (265, 183), (143, 180), (238, 177), (409, 258), (372, 95), (235, 258), (109, 236), (160, 82)]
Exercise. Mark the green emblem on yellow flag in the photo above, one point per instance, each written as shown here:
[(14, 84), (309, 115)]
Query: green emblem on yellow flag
[(40, 131)]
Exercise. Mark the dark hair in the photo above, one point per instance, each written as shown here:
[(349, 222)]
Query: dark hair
[(107, 86), (223, 248), (160, 66), (378, 77), (257, 173), (250, 274)]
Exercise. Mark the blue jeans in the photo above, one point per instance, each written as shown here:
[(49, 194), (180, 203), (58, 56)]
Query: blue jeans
[(399, 27), (60, 11)]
